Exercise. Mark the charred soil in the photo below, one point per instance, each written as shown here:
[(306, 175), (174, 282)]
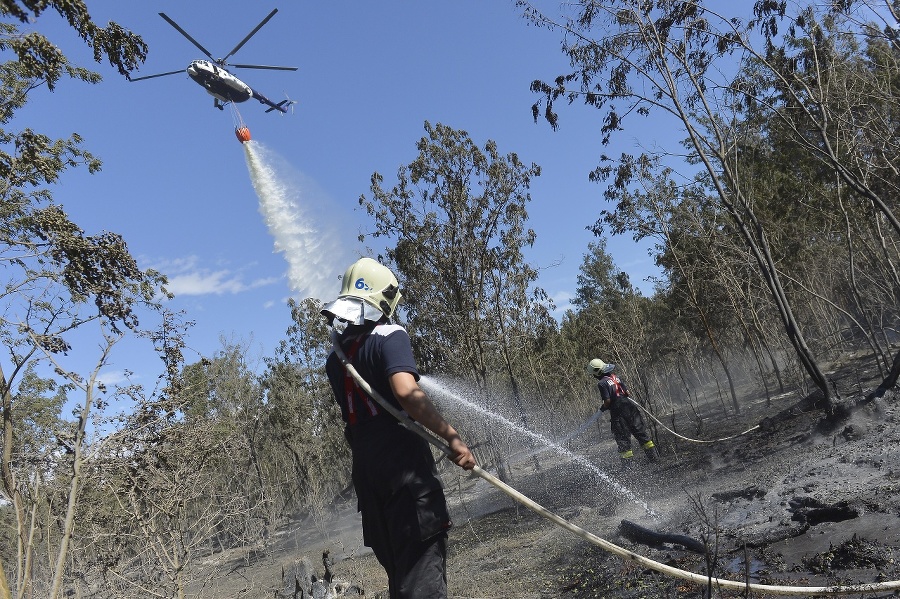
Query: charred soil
[(803, 499)]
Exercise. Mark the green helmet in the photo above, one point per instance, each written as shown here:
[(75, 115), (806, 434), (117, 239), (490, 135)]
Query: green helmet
[(598, 367), (369, 291)]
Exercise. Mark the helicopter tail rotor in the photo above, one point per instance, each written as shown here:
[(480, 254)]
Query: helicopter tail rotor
[(283, 106)]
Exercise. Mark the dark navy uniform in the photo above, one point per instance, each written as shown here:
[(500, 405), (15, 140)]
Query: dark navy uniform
[(401, 499), (625, 418)]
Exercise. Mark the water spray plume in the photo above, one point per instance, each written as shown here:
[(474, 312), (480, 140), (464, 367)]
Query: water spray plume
[(438, 389), (295, 218)]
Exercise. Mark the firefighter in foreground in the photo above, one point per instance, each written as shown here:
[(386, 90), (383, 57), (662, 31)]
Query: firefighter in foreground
[(401, 499), (625, 418)]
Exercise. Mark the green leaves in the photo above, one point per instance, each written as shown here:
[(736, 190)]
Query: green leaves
[(41, 60), (456, 223), (38, 160)]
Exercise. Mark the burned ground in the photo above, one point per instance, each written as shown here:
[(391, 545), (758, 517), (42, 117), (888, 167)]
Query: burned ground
[(802, 500)]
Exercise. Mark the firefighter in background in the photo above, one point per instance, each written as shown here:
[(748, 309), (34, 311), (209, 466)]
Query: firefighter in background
[(625, 418)]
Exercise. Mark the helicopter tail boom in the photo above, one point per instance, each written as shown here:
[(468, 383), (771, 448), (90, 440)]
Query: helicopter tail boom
[(280, 106)]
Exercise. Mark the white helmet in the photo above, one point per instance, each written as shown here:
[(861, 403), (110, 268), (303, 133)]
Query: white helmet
[(369, 291), (598, 367)]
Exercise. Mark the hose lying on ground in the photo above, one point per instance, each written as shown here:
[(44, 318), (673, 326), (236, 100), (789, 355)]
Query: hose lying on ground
[(722, 583), (656, 420)]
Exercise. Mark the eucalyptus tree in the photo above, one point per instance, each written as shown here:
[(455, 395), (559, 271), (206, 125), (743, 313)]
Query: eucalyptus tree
[(632, 57), (57, 281)]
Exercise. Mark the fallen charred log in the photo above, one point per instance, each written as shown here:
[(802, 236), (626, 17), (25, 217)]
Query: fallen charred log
[(645, 536)]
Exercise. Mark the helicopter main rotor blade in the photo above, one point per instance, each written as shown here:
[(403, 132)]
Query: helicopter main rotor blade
[(157, 75), (187, 35), (249, 35), (262, 66)]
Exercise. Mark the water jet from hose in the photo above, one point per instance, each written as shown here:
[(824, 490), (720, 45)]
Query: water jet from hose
[(440, 390)]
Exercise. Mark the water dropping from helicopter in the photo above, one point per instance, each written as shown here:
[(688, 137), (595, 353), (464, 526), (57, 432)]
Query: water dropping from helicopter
[(298, 216)]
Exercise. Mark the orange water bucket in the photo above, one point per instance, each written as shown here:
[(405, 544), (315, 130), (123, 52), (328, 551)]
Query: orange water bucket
[(242, 133)]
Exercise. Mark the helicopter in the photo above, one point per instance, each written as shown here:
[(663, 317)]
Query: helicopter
[(222, 85)]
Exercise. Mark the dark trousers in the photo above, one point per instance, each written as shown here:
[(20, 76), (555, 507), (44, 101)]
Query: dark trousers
[(404, 512), (416, 570), (626, 420)]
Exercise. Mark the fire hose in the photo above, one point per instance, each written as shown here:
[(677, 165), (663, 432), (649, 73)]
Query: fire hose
[(721, 583), (656, 420)]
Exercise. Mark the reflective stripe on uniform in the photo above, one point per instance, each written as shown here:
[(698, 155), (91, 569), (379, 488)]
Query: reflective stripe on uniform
[(352, 389)]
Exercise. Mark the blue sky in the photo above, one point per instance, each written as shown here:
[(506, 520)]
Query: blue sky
[(175, 180)]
